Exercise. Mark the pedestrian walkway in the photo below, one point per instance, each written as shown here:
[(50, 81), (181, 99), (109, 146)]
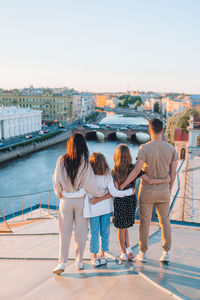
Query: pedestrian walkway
[(29, 254)]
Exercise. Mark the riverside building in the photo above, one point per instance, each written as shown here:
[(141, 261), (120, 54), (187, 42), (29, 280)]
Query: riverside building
[(87, 104), (18, 121), (187, 144), (61, 105)]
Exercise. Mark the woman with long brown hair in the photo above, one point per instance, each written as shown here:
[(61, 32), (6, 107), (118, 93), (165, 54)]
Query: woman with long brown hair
[(72, 173)]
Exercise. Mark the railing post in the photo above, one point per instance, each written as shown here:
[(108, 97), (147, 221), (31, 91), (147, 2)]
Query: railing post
[(22, 207), (13, 209), (31, 205), (182, 208), (4, 210), (40, 204), (48, 201)]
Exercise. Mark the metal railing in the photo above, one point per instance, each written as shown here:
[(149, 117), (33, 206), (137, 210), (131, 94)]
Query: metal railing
[(16, 208)]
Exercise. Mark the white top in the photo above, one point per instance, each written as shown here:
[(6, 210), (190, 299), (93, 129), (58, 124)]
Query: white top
[(103, 207)]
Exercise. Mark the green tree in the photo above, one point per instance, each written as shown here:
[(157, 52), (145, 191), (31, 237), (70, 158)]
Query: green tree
[(156, 107), (125, 102), (128, 99), (137, 103), (179, 120)]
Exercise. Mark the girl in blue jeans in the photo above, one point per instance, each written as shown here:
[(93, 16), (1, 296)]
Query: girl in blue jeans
[(100, 209)]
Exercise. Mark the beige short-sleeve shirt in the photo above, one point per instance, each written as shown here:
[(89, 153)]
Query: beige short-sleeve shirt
[(157, 157)]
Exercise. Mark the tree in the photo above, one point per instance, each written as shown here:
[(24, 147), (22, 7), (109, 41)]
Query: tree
[(137, 103), (156, 107), (128, 99), (179, 120), (125, 102)]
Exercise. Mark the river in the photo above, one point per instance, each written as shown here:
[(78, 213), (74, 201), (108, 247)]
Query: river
[(33, 173)]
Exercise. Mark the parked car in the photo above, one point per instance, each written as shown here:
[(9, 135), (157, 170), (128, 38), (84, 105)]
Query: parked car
[(28, 137), (123, 128), (41, 132), (94, 126), (45, 131), (108, 126)]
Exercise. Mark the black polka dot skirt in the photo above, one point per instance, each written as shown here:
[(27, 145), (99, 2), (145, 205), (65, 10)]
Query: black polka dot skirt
[(124, 211)]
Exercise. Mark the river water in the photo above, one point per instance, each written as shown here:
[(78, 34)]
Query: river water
[(33, 173)]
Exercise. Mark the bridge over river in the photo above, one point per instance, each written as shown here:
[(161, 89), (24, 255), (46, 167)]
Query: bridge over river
[(135, 133)]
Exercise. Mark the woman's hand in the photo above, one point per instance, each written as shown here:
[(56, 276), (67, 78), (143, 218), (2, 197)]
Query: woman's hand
[(133, 190), (94, 200), (59, 195), (168, 179)]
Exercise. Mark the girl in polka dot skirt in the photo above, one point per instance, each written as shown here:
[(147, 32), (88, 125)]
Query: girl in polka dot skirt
[(124, 207)]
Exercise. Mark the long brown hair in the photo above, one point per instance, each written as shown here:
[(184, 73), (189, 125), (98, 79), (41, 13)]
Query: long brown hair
[(76, 151), (123, 160), (99, 163)]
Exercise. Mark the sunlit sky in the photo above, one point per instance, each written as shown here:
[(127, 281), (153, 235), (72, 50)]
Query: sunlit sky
[(101, 45)]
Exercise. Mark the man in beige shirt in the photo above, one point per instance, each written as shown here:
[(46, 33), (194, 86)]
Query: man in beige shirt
[(157, 158)]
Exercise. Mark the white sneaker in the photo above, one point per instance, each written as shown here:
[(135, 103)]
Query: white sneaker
[(79, 265), (123, 257), (141, 256), (129, 253), (103, 261), (60, 268), (95, 262), (164, 257)]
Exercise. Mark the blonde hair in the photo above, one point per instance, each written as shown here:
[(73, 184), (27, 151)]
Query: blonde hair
[(123, 160), (99, 163)]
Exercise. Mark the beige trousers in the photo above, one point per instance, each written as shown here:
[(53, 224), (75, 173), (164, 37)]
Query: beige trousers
[(162, 204), (71, 215)]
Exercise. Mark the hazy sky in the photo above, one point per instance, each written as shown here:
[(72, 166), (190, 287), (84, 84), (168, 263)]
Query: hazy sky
[(101, 45)]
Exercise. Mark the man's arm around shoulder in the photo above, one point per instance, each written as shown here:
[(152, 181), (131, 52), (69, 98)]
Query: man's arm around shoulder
[(133, 174)]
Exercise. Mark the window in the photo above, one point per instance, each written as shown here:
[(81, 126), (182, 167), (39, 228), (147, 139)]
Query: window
[(198, 141), (182, 153)]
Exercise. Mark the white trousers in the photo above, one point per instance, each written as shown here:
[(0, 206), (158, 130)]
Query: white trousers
[(71, 214)]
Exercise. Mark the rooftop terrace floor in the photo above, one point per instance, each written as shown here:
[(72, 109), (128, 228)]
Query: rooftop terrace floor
[(29, 254)]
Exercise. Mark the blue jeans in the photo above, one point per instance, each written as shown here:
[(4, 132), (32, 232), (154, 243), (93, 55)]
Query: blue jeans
[(99, 224)]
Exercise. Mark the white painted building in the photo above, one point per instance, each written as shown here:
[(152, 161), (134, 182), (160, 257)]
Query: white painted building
[(194, 137), (87, 104), (18, 121)]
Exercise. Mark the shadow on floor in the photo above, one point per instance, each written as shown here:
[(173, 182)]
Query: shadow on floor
[(109, 270), (181, 279)]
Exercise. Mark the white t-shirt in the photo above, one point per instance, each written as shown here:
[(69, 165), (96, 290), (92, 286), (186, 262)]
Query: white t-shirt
[(103, 207)]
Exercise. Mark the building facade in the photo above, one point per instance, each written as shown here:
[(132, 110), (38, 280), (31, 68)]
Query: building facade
[(181, 143), (87, 104), (194, 137), (187, 144), (18, 121), (101, 100), (64, 106)]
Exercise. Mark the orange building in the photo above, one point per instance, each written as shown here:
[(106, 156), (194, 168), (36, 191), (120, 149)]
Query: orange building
[(101, 100)]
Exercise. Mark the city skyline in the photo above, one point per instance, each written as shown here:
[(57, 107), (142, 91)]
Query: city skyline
[(101, 47)]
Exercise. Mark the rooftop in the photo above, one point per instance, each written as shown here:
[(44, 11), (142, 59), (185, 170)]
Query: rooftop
[(12, 110), (29, 254)]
